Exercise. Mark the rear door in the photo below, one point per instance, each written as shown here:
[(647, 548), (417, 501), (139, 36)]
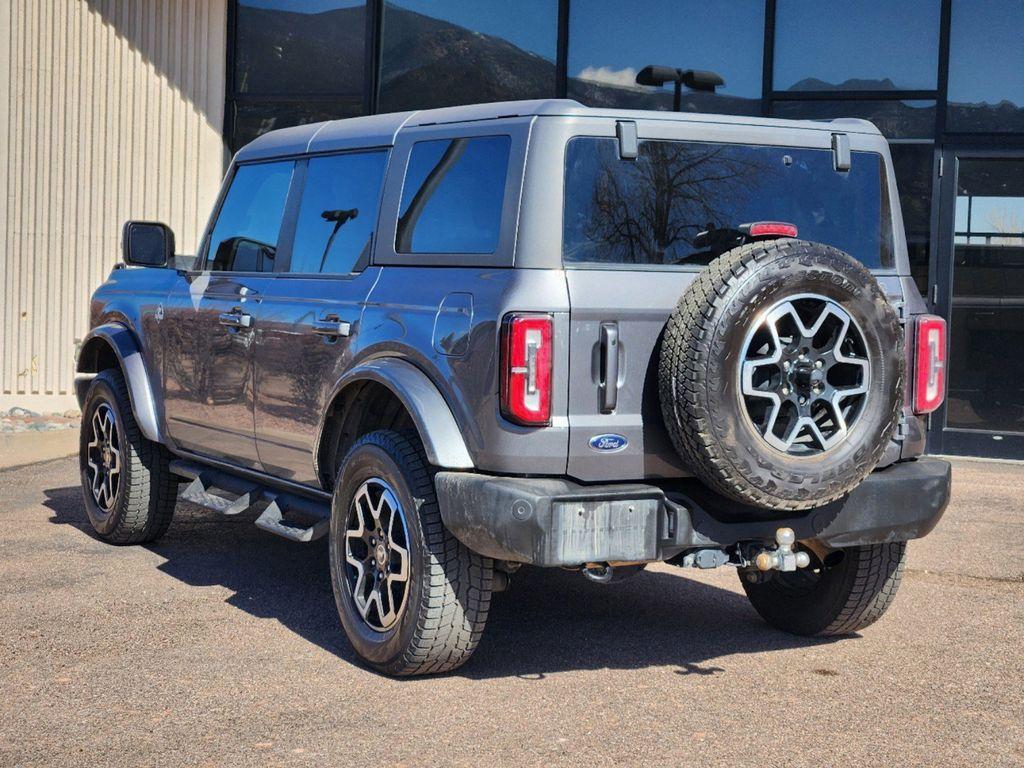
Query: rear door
[(638, 230), (310, 318)]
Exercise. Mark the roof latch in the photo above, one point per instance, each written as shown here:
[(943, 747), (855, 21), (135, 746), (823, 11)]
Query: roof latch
[(629, 144), (841, 151)]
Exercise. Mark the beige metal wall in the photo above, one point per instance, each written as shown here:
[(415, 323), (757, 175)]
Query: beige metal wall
[(109, 110)]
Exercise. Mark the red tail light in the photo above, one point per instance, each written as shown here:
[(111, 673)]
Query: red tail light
[(929, 364), (526, 369), (769, 229)]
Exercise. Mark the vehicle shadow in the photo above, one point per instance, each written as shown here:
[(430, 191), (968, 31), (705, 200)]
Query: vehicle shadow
[(549, 621)]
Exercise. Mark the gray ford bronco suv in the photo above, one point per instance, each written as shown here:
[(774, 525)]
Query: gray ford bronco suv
[(462, 340)]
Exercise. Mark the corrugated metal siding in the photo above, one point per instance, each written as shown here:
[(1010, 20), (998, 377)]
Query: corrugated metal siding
[(114, 111)]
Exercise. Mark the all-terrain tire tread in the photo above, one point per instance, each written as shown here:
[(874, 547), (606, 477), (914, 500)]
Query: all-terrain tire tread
[(149, 488), (845, 599), (684, 382), (455, 599), (879, 571)]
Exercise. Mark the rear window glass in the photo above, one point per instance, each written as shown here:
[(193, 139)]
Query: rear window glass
[(681, 203), (452, 196)]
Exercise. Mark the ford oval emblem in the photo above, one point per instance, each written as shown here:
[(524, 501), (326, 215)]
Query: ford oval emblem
[(608, 443)]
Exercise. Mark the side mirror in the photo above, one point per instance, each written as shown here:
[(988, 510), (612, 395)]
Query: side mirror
[(147, 244)]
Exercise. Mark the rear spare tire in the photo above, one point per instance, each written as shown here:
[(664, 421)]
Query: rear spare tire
[(781, 374)]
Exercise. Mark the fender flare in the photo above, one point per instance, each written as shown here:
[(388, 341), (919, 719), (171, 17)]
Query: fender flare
[(440, 433), (120, 339)]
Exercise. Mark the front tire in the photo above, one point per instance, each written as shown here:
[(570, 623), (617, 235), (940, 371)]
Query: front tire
[(129, 490), (411, 597), (826, 601)]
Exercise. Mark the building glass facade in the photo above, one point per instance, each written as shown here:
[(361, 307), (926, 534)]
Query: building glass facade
[(942, 79)]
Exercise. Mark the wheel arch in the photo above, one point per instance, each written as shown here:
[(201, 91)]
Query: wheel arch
[(426, 407), (113, 345)]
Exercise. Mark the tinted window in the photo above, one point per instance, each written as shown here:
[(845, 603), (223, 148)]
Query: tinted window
[(986, 331), (437, 53), (986, 66), (244, 238), (856, 45), (680, 203), (452, 196), (338, 212), (607, 48), (287, 47)]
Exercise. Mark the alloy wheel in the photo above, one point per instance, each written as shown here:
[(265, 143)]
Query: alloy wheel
[(804, 375), (104, 457), (377, 554)]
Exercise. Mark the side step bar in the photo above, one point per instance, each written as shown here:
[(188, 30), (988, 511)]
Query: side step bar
[(288, 515)]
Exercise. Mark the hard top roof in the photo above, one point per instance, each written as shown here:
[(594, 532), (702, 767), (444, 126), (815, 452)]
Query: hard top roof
[(381, 130)]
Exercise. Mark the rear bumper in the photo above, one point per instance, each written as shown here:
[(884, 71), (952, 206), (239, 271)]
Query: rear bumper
[(556, 522)]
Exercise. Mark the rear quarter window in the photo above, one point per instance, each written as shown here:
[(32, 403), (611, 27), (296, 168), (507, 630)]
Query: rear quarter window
[(664, 208), (453, 195)]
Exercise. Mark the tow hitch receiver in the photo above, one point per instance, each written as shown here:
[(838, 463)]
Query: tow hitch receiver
[(783, 558)]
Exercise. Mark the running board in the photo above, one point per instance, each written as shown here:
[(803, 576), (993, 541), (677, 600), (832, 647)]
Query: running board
[(273, 520), (198, 492), (289, 515)]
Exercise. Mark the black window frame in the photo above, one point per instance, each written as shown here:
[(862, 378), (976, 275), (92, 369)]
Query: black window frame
[(298, 192), (288, 216), (518, 129), (371, 75), (401, 200)]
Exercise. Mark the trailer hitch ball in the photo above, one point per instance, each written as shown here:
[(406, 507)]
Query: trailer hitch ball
[(783, 558)]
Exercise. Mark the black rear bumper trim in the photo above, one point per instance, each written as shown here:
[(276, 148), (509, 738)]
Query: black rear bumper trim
[(557, 522)]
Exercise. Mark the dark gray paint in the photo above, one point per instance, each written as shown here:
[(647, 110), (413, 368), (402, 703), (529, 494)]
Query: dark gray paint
[(427, 326)]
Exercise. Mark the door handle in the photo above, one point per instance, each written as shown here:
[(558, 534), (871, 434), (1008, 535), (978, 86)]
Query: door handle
[(332, 325), (236, 318), (609, 367)]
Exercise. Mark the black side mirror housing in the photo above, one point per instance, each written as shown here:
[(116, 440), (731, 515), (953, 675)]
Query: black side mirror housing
[(147, 244)]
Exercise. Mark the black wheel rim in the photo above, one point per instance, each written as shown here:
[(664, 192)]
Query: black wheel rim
[(377, 554), (804, 375), (103, 457)]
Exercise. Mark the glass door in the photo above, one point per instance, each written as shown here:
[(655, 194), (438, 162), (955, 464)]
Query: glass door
[(981, 294)]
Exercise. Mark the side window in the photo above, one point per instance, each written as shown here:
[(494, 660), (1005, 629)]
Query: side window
[(244, 239), (452, 196), (338, 212)]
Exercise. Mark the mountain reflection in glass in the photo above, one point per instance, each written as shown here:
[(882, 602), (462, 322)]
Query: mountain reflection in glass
[(681, 203)]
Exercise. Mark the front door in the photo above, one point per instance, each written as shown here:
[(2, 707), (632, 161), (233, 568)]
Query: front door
[(213, 320), (980, 287), (210, 325)]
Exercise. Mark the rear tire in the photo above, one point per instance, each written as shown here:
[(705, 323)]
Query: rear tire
[(832, 601), (412, 598), (129, 490)]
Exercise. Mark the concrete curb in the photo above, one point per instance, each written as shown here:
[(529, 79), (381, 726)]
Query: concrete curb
[(20, 448)]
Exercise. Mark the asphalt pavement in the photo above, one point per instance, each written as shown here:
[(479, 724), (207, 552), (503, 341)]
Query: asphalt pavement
[(220, 645)]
